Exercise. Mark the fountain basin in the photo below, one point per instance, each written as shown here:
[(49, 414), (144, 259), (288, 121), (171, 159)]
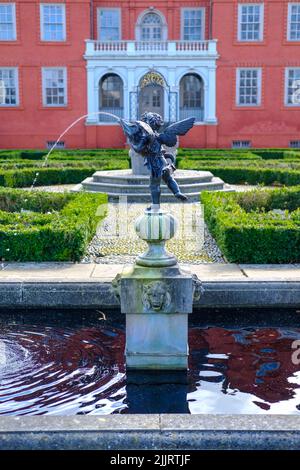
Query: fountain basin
[(213, 406), (118, 183)]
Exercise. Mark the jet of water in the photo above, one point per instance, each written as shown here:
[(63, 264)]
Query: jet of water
[(64, 132)]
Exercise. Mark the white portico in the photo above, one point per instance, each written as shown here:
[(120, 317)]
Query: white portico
[(175, 78)]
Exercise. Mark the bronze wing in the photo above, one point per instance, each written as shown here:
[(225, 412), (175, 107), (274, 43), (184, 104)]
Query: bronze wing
[(130, 129), (169, 136)]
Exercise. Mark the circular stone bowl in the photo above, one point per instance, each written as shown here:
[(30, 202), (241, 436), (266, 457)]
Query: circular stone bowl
[(156, 226)]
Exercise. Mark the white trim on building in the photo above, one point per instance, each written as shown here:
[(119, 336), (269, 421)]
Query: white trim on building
[(131, 62)]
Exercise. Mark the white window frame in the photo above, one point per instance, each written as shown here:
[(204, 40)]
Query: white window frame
[(13, 5), (289, 105), (45, 104), (259, 86), (99, 9), (4, 105), (290, 5), (183, 10), (42, 31), (261, 24)]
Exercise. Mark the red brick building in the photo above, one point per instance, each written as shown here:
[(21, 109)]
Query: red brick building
[(234, 65)]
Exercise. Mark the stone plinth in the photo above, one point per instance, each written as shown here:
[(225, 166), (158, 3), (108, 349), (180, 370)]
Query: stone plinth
[(156, 295), (137, 163), (156, 302)]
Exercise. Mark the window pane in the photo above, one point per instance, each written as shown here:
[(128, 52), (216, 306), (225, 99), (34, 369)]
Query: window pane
[(53, 22), (191, 97), (111, 92), (294, 23), (54, 84), (250, 22), (7, 22), (151, 28), (8, 87), (192, 25), (109, 25), (111, 97), (248, 87), (293, 87)]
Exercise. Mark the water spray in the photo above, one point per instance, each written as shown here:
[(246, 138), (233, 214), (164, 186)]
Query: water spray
[(64, 132)]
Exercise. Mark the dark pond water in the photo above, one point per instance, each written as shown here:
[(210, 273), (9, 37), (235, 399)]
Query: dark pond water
[(77, 367)]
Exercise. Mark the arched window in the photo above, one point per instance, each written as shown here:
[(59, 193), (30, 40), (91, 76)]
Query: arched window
[(110, 96), (191, 97), (151, 27)]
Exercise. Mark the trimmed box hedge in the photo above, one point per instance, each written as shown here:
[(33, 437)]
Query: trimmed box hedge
[(261, 226), (253, 172), (41, 226), (70, 173), (63, 154), (18, 168)]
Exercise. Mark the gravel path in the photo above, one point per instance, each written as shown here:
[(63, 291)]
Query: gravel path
[(117, 242), (56, 188)]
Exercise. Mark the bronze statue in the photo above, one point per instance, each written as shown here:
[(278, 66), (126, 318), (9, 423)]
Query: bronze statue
[(145, 139)]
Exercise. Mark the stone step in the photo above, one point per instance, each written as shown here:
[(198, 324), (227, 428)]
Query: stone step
[(126, 177), (90, 185)]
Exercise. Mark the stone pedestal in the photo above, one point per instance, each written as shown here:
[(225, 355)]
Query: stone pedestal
[(137, 164), (156, 302), (156, 295), (137, 160)]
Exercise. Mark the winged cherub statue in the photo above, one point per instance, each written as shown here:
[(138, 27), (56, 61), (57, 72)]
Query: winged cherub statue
[(145, 139)]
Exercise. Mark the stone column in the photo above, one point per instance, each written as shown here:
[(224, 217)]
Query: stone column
[(211, 101), (92, 96)]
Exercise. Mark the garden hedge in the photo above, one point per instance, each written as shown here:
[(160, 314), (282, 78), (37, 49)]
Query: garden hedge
[(253, 172), (261, 226), (41, 226), (61, 174), (18, 168)]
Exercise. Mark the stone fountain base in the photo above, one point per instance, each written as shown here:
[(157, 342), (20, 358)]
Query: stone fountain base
[(156, 295), (118, 183), (157, 303)]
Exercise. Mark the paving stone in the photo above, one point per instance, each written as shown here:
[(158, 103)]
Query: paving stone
[(46, 271), (107, 271), (217, 272), (270, 272)]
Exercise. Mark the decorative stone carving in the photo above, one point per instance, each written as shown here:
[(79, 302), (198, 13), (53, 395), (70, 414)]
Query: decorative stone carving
[(116, 286), (197, 288), (156, 296)]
